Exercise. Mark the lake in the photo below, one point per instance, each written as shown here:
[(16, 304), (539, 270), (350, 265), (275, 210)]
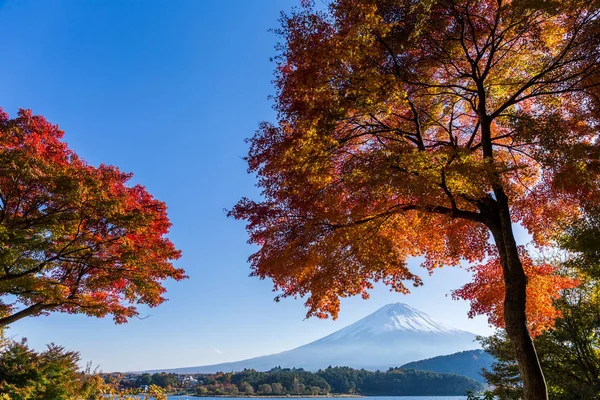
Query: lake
[(316, 398)]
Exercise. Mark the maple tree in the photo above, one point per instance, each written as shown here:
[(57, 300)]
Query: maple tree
[(424, 128), (74, 238), (544, 286)]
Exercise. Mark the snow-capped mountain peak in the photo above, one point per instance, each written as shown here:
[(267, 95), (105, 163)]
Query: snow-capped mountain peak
[(397, 317), (390, 337)]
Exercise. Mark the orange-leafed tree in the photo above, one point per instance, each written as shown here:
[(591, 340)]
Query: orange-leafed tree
[(74, 238), (544, 286), (424, 128)]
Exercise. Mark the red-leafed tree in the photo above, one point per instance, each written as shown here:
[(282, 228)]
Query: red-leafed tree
[(427, 127), (74, 238), (544, 286)]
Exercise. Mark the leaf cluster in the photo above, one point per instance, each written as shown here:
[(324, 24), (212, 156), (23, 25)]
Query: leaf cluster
[(402, 124), (26, 374), (73, 237)]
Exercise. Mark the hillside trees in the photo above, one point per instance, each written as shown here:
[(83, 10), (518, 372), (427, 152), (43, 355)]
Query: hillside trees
[(265, 388), (74, 238), (338, 380), (424, 129), (277, 388)]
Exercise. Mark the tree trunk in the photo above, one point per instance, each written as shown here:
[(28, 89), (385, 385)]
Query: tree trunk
[(515, 319), (26, 312), (515, 280)]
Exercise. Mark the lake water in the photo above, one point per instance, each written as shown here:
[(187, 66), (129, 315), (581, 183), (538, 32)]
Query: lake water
[(317, 398)]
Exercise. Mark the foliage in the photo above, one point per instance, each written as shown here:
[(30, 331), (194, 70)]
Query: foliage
[(423, 128), (153, 392), (344, 379), (26, 374), (399, 382), (164, 380), (281, 381), (265, 388), (570, 351), (468, 363), (246, 388), (582, 239), (277, 388), (75, 238), (544, 285), (392, 123), (338, 380), (486, 396), (504, 375)]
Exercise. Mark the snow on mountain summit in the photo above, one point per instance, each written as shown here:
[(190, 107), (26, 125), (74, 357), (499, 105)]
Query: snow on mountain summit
[(391, 318)]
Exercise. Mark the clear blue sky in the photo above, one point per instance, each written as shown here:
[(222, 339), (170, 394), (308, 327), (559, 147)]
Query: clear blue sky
[(169, 90)]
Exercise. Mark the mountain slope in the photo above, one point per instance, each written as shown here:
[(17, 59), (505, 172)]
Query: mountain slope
[(391, 336), (467, 363)]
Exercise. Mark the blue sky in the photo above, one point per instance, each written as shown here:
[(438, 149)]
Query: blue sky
[(169, 90)]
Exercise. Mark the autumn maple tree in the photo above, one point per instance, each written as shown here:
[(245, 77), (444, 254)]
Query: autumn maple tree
[(424, 128), (544, 286), (73, 237)]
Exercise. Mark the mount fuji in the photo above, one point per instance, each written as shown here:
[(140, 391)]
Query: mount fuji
[(390, 337)]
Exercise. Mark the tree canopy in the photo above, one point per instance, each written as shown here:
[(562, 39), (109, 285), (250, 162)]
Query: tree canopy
[(379, 137), (424, 128), (26, 374), (73, 237)]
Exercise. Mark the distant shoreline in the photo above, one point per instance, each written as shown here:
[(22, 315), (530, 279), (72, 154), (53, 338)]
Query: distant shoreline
[(281, 396)]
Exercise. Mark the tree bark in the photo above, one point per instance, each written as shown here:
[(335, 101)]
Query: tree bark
[(515, 280), (26, 312), (515, 318)]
